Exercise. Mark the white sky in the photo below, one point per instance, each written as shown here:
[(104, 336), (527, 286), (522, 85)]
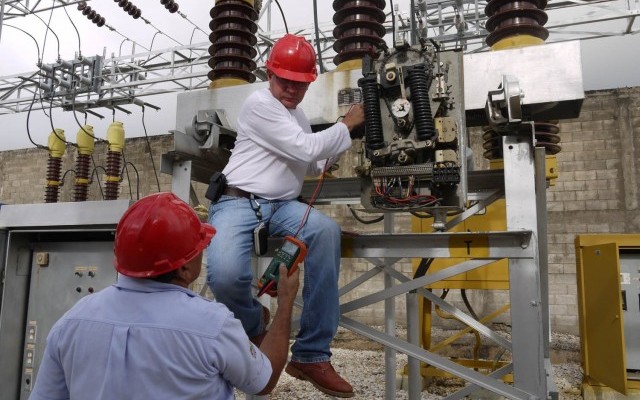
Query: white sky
[(607, 63)]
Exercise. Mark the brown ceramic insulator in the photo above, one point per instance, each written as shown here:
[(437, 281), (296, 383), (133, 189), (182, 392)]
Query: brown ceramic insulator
[(51, 193), (223, 24), (354, 48), (238, 8), (509, 18), (91, 14), (111, 191), (230, 36), (359, 28), (232, 40), (81, 186), (130, 8), (80, 193), (233, 71), (54, 168), (227, 47), (546, 134), (492, 144), (113, 175), (169, 4), (232, 59), (54, 171), (494, 6)]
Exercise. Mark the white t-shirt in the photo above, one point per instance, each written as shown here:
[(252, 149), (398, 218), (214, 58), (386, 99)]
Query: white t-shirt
[(275, 148)]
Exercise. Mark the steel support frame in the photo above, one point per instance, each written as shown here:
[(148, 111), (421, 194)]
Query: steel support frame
[(525, 195), (526, 224), (524, 191)]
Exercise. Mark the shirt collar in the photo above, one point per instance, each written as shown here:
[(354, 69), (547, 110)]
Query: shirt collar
[(149, 286)]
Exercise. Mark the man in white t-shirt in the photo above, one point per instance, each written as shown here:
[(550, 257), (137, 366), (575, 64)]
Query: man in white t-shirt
[(274, 150)]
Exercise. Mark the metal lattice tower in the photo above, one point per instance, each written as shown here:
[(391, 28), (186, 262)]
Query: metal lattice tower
[(452, 23)]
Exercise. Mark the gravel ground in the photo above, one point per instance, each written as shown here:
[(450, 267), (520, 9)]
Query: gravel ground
[(362, 363)]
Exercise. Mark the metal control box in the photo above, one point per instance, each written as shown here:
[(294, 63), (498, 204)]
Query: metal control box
[(52, 255), (630, 287), (61, 274)]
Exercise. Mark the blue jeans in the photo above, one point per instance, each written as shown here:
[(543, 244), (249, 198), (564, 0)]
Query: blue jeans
[(229, 273)]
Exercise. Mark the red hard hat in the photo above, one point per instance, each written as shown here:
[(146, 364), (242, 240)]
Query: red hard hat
[(293, 58), (158, 234)]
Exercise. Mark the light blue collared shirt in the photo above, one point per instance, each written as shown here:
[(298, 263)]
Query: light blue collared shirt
[(142, 339)]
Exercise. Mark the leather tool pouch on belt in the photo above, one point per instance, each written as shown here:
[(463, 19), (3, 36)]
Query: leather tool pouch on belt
[(217, 185)]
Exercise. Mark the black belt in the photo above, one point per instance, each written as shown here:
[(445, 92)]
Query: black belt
[(237, 192)]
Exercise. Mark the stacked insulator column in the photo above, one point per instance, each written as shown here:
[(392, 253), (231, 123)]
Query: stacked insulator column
[(516, 24), (129, 8), (86, 143), (232, 42), (56, 144), (359, 28), (115, 137), (91, 14), (509, 19)]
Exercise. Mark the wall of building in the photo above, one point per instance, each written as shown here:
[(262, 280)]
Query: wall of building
[(596, 192), (23, 172)]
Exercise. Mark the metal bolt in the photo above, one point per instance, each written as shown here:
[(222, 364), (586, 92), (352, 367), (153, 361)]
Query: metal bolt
[(42, 259)]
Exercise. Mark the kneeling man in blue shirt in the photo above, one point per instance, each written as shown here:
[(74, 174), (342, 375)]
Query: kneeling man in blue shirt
[(148, 336)]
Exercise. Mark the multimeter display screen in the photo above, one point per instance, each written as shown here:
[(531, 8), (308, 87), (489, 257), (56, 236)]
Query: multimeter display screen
[(289, 247)]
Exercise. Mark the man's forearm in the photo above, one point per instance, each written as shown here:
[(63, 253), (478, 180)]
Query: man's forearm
[(275, 344)]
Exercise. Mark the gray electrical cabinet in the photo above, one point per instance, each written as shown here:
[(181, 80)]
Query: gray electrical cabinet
[(52, 256), (61, 274), (630, 286)]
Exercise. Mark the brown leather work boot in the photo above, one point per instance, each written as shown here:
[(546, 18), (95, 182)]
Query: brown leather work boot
[(322, 376), (266, 318)]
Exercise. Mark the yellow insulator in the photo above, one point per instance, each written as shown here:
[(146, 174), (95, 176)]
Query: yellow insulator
[(56, 143), (516, 42), (85, 140), (115, 136), (349, 65), (250, 2), (226, 82)]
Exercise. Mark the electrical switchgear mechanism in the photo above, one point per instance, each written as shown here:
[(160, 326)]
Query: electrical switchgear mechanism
[(414, 146)]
